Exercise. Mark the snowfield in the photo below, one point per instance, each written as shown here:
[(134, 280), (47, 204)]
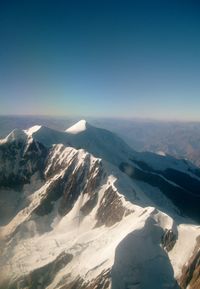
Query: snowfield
[(81, 221)]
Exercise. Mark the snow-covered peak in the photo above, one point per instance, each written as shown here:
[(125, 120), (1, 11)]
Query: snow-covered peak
[(15, 135), (32, 130), (161, 153), (78, 127)]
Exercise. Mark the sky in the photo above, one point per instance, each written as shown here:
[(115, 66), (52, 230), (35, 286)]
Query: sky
[(104, 58)]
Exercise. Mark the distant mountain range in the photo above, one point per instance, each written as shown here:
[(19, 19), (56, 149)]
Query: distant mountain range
[(80, 209), (178, 139)]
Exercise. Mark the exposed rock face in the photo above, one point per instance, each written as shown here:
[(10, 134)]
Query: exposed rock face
[(58, 160), (111, 209), (102, 281), (76, 179), (191, 271), (85, 179), (168, 240), (91, 189), (19, 161)]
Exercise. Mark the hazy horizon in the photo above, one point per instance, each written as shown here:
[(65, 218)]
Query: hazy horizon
[(88, 117)]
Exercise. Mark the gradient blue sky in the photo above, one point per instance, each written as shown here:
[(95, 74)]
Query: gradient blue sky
[(100, 58)]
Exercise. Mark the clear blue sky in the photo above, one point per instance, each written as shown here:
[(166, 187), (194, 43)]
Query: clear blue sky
[(100, 58)]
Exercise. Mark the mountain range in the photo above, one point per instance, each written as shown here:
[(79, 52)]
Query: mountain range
[(176, 138), (81, 209)]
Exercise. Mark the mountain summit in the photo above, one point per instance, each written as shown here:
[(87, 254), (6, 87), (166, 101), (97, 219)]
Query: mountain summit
[(78, 127), (81, 209)]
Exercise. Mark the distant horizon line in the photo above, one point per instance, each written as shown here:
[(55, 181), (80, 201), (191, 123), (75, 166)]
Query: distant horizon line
[(128, 118)]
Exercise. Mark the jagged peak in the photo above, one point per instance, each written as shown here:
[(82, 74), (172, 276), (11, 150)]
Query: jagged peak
[(78, 127)]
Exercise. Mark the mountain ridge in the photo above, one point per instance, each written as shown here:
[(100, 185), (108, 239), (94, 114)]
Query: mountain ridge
[(89, 211)]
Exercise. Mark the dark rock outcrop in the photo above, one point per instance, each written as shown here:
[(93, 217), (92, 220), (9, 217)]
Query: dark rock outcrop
[(191, 271), (19, 161), (111, 209), (102, 281), (168, 240)]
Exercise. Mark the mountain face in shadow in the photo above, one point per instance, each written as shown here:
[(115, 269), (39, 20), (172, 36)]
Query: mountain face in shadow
[(140, 261)]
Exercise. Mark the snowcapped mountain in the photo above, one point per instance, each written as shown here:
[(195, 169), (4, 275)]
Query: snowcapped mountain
[(80, 209)]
